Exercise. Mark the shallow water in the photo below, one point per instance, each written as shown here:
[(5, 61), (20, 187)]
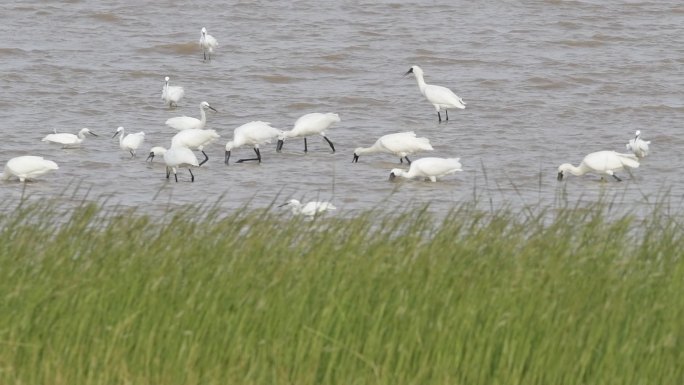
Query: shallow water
[(546, 82)]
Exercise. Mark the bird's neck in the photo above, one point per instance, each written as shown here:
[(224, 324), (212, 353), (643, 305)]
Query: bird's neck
[(421, 83), (367, 150), (577, 171)]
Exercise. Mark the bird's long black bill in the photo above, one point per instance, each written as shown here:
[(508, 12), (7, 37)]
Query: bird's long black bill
[(227, 157), (355, 159), (560, 176), (279, 146)]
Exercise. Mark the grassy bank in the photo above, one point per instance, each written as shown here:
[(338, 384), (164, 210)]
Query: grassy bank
[(254, 298)]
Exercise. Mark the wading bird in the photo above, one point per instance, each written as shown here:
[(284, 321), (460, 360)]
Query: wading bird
[(208, 44), (27, 167), (171, 95), (401, 144), (68, 140), (310, 124), (308, 209), (602, 163), (428, 168), (251, 134), (638, 146), (129, 142), (187, 122), (440, 97)]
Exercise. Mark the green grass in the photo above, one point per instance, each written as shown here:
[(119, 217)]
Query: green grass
[(567, 296)]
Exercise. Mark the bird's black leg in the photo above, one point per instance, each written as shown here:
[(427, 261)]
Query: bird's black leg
[(206, 158), (401, 160), (205, 55), (306, 149), (330, 143), (439, 117), (258, 158), (617, 178), (446, 112), (132, 153), (408, 160), (175, 176), (168, 172), (192, 177)]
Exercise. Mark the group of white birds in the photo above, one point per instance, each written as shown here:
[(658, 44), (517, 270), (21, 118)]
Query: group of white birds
[(192, 136)]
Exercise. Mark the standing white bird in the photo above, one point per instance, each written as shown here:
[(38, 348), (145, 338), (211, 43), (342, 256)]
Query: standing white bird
[(155, 151), (638, 146), (309, 209), (171, 95), (195, 140), (252, 134), (401, 144), (129, 142), (429, 168), (440, 97), (208, 43), (27, 167), (179, 156), (602, 163), (310, 124), (188, 122), (68, 140)]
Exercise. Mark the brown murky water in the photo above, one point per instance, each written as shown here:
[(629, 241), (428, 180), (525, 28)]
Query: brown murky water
[(546, 82)]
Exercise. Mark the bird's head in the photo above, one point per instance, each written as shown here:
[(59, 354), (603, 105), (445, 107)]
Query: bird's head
[(118, 131), (205, 105)]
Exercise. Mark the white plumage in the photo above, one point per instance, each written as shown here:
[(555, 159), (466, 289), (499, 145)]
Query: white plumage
[(429, 168), (252, 134), (188, 122), (179, 156), (155, 151), (440, 97), (171, 95), (130, 142), (27, 167), (315, 123), (401, 144), (638, 146), (195, 140), (602, 163), (208, 43), (308, 209), (68, 140)]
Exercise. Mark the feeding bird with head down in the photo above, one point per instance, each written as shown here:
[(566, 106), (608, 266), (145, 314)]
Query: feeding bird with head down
[(175, 157), (428, 168), (195, 140), (315, 123), (600, 162), (401, 144), (251, 134), (27, 167)]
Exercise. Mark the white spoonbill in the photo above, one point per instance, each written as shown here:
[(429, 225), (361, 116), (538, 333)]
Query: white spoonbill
[(440, 97), (195, 140), (27, 167), (179, 156), (129, 142), (602, 163), (68, 140), (310, 124), (252, 134), (429, 168), (401, 144), (155, 151), (187, 122), (309, 209), (171, 95), (638, 146), (208, 43)]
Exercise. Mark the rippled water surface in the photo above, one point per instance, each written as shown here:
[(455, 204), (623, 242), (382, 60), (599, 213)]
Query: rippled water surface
[(546, 82)]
